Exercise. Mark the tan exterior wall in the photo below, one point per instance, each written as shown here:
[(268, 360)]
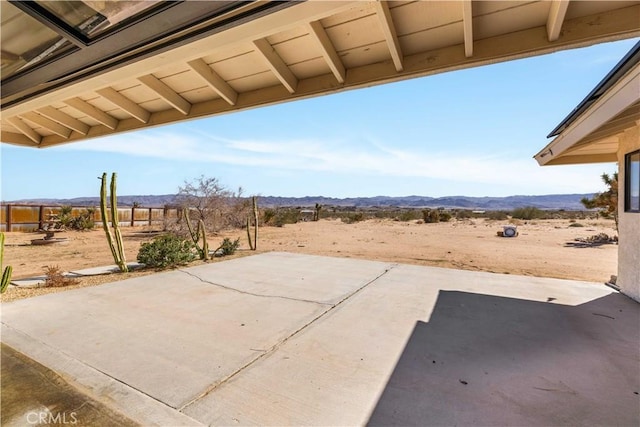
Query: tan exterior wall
[(629, 225)]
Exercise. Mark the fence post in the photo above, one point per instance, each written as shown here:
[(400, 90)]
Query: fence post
[(41, 217), (150, 217), (133, 215), (8, 217)]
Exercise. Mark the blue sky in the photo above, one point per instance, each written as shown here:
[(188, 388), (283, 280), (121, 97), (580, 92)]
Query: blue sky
[(470, 132)]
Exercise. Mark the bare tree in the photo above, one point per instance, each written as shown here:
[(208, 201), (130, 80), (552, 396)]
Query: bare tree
[(212, 202)]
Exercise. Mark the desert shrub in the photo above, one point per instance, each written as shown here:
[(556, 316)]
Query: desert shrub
[(463, 214), (445, 216), (283, 216), (409, 215), (353, 217), (167, 251), (576, 224), (54, 277), (497, 215), (84, 221), (431, 216), (64, 217), (228, 247), (268, 215), (527, 213)]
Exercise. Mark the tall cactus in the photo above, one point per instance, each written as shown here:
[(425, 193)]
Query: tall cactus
[(117, 249), (253, 245), (195, 235), (6, 273)]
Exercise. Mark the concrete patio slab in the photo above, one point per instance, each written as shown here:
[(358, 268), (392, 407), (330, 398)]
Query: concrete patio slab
[(283, 339)]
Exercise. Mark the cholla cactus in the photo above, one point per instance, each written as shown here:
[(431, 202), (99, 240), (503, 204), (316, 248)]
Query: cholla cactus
[(6, 273), (195, 236), (117, 249)]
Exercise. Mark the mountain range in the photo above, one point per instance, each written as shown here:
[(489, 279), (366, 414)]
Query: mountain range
[(551, 201)]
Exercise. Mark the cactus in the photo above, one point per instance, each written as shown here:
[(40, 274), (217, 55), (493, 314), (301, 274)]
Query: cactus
[(253, 245), (117, 249), (6, 273), (195, 235)]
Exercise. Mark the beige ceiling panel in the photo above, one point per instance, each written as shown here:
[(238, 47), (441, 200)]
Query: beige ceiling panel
[(578, 9), (240, 66), (42, 131), (138, 93), (183, 82), (227, 53), (255, 81), (125, 85), (287, 35), (425, 41), (297, 50), (105, 105), (418, 16), (200, 94), (169, 70), (312, 68), (511, 20), (490, 7), (359, 11), (155, 105), (365, 55), (353, 34)]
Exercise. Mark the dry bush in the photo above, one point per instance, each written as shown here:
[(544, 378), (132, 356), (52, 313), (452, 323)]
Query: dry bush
[(56, 279)]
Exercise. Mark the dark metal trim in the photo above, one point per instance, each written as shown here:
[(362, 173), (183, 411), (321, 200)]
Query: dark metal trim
[(128, 44), (627, 182), (622, 67)]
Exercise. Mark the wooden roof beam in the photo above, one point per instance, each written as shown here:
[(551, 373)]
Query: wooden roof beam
[(389, 30), (329, 53), (557, 12), (217, 83), (93, 112), (64, 119), (276, 64), (25, 129), (46, 123), (125, 104), (166, 93), (467, 24)]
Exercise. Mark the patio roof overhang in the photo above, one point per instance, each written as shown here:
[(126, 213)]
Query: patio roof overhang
[(590, 133), (190, 60)]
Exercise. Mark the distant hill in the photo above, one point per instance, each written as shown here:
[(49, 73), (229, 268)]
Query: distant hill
[(551, 201)]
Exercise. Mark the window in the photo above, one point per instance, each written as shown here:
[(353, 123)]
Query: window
[(632, 182)]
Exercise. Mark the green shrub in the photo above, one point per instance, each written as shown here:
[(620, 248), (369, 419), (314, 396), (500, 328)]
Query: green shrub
[(527, 213), (431, 215), (280, 217), (445, 216), (64, 217), (353, 217), (167, 251), (409, 215), (84, 221), (497, 215), (576, 224), (228, 247)]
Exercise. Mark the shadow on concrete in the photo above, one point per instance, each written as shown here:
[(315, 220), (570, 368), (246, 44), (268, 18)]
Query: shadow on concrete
[(487, 360)]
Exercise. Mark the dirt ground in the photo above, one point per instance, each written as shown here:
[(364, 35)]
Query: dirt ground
[(543, 248)]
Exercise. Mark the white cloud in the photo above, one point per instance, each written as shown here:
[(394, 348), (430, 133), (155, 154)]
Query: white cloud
[(522, 174)]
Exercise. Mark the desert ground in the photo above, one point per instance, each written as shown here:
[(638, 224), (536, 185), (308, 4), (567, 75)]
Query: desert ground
[(545, 248)]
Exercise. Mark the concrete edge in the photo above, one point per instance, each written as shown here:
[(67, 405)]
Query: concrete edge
[(118, 396)]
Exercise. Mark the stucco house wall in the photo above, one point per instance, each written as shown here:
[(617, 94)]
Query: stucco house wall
[(629, 223)]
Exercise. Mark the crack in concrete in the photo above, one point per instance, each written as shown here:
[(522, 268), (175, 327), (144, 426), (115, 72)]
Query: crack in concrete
[(279, 344), (230, 288)]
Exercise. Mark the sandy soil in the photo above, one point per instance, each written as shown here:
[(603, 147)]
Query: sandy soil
[(543, 248)]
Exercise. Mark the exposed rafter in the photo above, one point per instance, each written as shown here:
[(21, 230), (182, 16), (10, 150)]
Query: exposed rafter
[(125, 104), (389, 30), (93, 112), (467, 23), (276, 64), (217, 83), (166, 93), (64, 119), (46, 123), (557, 12), (25, 129), (329, 53)]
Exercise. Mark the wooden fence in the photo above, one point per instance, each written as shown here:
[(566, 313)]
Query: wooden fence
[(16, 217)]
